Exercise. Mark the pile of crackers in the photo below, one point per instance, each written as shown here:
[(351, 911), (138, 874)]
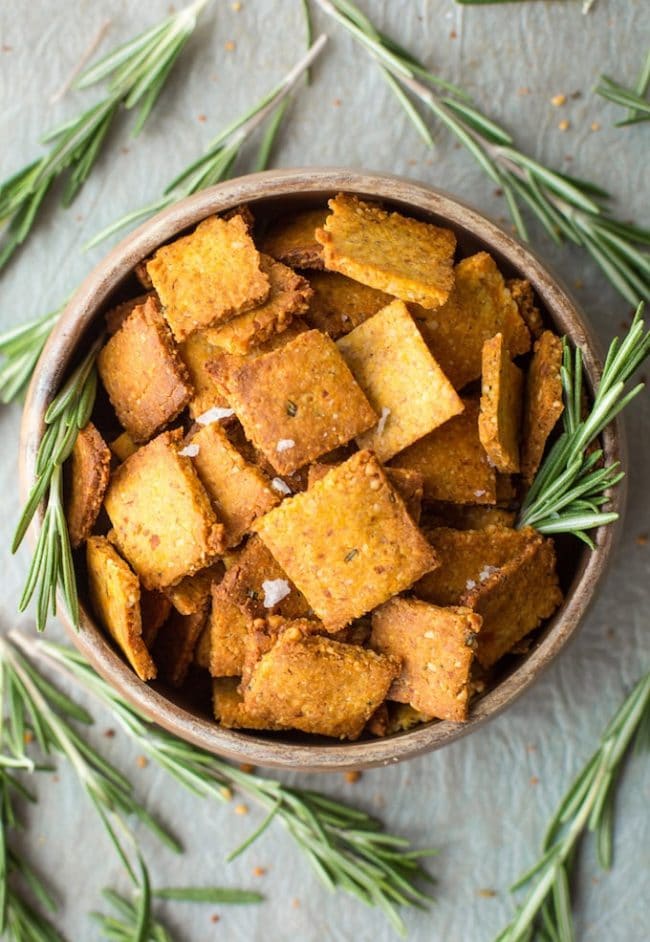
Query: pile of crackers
[(319, 433)]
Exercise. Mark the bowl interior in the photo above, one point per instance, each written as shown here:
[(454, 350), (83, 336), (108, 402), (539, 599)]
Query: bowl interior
[(270, 195)]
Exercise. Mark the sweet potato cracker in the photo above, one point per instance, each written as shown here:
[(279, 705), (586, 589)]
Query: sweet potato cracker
[(479, 306), (499, 421), (175, 644), (191, 594), (118, 314), (209, 276), (123, 447), (347, 543), (408, 484), (403, 383), (408, 259), (88, 480), (339, 304), (452, 461), (524, 297), (115, 596), (515, 600), (543, 404), (145, 379), (318, 685), (196, 352), (296, 403), (230, 710), (162, 516), (292, 240), (436, 649)]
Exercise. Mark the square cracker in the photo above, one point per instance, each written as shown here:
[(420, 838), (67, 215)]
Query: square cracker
[(347, 543), (230, 710), (402, 381), (145, 378), (162, 516), (452, 461), (88, 480), (408, 259), (340, 304), (209, 276), (317, 685), (499, 421), (467, 559), (174, 646), (196, 352), (296, 403), (436, 648), (289, 296), (543, 401), (239, 491), (408, 484), (479, 306), (115, 597), (515, 599), (291, 239)]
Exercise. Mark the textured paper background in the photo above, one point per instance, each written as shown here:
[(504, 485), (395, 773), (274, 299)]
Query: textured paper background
[(484, 801)]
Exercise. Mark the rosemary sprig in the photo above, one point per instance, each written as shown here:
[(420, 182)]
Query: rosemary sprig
[(571, 487), (638, 106), (587, 806), (217, 162), (135, 74), (21, 347), (568, 208), (348, 849), (51, 567)]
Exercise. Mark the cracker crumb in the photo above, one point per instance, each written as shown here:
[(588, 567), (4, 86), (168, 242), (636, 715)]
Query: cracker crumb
[(109, 733), (235, 7), (190, 451), (352, 776), (295, 903), (534, 780), (285, 444), (564, 125), (247, 768), (258, 871), (215, 918), (28, 737), (226, 793), (523, 91), (595, 125), (142, 762), (642, 539), (202, 118), (558, 100), (241, 809)]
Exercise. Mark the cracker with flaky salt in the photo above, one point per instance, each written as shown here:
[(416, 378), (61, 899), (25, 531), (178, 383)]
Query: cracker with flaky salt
[(436, 649), (163, 519), (499, 421), (347, 543), (543, 404), (515, 599), (145, 378), (115, 597), (291, 239), (452, 461), (209, 276), (88, 480), (402, 381), (408, 484), (408, 259), (295, 403), (196, 352), (174, 646), (340, 304), (479, 306), (116, 316)]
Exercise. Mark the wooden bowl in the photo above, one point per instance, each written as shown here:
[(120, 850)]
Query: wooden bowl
[(269, 194)]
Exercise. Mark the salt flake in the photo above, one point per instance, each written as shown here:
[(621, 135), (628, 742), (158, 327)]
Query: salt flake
[(190, 451), (274, 591), (280, 486), (381, 425), (470, 584), (486, 572), (479, 493), (214, 415), (285, 444)]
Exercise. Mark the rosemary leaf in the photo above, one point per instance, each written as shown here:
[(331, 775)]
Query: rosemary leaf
[(633, 99)]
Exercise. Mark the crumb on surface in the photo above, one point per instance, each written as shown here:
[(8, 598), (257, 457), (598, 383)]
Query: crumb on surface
[(352, 776), (564, 125), (241, 809), (558, 100), (259, 871)]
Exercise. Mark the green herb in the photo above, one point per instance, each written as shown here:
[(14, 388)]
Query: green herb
[(309, 33), (51, 567), (208, 894), (638, 106), (21, 347), (348, 849), (292, 408), (587, 806), (568, 208), (217, 162), (571, 487), (135, 73), (350, 556)]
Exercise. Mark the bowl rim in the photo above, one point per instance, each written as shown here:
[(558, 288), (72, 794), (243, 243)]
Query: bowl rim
[(305, 183)]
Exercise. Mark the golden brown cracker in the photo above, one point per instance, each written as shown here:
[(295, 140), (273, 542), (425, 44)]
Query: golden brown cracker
[(400, 378), (340, 304), (191, 594), (196, 352), (123, 447), (230, 710), (524, 297), (88, 480), (291, 239), (499, 421), (543, 404), (411, 260), (116, 316), (408, 484)]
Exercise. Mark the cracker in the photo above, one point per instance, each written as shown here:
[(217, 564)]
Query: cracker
[(175, 644), (196, 352), (289, 296), (192, 593), (467, 559), (317, 685), (154, 612), (436, 649), (239, 491), (118, 314), (230, 710), (163, 519), (145, 379), (408, 259), (515, 600), (347, 543), (408, 484), (452, 461), (291, 239), (115, 597), (296, 403), (209, 276), (543, 402), (123, 446), (499, 421), (339, 304), (402, 381), (88, 480), (524, 297), (467, 517), (479, 306)]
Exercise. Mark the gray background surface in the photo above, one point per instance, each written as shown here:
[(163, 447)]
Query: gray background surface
[(483, 801)]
